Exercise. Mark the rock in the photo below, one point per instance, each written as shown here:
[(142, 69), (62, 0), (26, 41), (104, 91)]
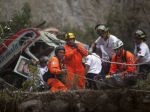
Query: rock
[(30, 106)]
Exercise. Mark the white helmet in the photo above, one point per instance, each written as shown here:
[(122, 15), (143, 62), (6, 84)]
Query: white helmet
[(141, 34), (117, 44), (102, 27)]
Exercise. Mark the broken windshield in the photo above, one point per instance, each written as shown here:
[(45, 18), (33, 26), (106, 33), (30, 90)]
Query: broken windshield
[(40, 48)]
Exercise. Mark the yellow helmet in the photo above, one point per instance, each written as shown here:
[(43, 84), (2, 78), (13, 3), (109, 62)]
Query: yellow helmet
[(70, 35)]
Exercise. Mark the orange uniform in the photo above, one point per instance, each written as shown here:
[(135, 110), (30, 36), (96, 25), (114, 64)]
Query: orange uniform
[(55, 69), (127, 58), (75, 68)]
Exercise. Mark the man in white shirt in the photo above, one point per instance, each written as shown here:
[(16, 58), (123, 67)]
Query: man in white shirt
[(43, 67), (142, 51), (105, 43), (93, 67)]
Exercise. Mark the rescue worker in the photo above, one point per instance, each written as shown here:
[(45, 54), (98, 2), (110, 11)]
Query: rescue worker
[(57, 70), (73, 60), (93, 66), (126, 72), (105, 45), (142, 51)]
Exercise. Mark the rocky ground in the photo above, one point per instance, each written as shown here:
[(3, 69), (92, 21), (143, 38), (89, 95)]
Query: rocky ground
[(135, 99), (114, 100)]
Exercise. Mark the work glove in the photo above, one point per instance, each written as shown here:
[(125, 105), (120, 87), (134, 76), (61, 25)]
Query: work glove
[(108, 76)]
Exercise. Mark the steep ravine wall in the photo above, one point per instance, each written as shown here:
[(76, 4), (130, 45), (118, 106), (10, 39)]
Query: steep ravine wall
[(75, 13), (123, 16)]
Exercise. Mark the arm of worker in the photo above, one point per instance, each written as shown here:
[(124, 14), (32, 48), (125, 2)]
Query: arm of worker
[(131, 60), (113, 66), (87, 63), (53, 66), (87, 67), (141, 53), (91, 47), (81, 49)]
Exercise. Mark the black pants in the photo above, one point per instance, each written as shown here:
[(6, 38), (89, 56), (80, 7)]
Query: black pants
[(105, 70), (91, 84)]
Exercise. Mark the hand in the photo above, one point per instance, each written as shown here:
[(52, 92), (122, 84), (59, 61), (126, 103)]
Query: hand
[(34, 62), (108, 76), (64, 71), (74, 45)]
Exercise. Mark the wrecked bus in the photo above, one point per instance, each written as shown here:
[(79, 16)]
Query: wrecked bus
[(21, 47)]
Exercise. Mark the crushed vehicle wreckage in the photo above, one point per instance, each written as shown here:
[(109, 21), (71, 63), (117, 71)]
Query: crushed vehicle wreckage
[(19, 49)]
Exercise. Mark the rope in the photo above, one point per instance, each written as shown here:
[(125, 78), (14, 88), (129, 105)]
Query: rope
[(123, 63), (96, 81)]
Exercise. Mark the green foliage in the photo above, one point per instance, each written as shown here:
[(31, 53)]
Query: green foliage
[(30, 85), (18, 21), (9, 100), (21, 19)]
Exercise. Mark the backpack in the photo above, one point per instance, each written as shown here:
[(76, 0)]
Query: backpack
[(48, 75)]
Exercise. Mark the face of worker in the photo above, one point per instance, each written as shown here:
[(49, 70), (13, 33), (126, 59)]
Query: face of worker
[(70, 41), (61, 54), (102, 33), (119, 51), (43, 64), (137, 40)]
